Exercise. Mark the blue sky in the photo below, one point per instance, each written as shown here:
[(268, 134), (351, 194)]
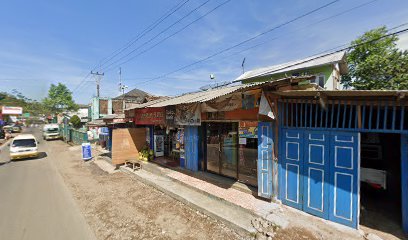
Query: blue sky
[(44, 42)]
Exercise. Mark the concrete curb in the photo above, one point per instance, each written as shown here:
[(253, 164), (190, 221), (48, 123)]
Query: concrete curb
[(211, 196), (241, 230)]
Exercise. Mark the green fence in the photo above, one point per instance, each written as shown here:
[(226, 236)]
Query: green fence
[(76, 136)]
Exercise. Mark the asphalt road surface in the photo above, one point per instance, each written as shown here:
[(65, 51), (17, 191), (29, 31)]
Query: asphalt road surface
[(34, 200)]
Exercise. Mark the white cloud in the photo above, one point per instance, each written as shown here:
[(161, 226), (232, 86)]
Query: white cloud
[(403, 42)]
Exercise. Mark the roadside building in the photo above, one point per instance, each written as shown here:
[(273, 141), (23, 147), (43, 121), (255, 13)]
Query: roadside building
[(291, 132), (339, 155)]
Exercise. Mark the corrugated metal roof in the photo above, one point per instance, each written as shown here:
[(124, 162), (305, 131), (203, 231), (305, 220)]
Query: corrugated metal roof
[(204, 96), (343, 93), (147, 104), (294, 65)]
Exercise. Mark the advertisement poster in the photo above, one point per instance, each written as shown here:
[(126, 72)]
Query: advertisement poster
[(248, 129), (188, 115), (224, 103), (12, 110)]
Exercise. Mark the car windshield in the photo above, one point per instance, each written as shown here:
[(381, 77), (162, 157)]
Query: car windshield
[(51, 130), (24, 143)]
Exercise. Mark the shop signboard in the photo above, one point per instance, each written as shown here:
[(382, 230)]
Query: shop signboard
[(248, 129), (150, 116), (188, 115), (12, 110), (170, 115)]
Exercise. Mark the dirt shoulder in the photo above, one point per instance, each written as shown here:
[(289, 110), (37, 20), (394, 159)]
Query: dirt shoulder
[(116, 206)]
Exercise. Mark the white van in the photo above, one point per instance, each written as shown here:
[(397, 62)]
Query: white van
[(23, 146), (51, 131)]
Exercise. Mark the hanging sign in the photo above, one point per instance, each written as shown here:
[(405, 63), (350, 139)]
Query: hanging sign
[(188, 115), (170, 114), (224, 103), (150, 116)]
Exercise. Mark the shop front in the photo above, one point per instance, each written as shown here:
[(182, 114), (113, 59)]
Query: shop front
[(231, 141)]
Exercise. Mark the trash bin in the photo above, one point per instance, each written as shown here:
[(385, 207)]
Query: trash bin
[(86, 151)]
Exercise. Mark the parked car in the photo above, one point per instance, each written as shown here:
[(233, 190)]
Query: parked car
[(13, 128), (23, 146)]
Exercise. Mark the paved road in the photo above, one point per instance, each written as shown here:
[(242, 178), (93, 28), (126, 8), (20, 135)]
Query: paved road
[(34, 201)]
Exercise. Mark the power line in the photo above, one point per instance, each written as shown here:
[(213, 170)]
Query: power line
[(316, 56), (139, 36), (306, 27), (160, 33), (245, 41), (337, 51), (145, 31)]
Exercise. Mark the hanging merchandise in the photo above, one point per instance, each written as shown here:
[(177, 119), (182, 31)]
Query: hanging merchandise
[(224, 103), (188, 115), (170, 114)]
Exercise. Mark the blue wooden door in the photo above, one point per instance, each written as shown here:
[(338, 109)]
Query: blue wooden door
[(265, 145), (291, 179), (316, 173), (344, 178), (191, 147)]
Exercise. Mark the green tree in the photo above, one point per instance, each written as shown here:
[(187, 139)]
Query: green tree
[(377, 64), (75, 121), (60, 99)]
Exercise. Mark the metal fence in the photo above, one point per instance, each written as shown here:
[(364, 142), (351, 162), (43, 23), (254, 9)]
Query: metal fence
[(76, 136)]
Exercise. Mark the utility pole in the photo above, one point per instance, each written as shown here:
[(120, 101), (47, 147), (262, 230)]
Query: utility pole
[(122, 88), (98, 77)]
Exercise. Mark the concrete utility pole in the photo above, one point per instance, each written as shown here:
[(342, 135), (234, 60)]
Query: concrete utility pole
[(98, 77), (122, 88)]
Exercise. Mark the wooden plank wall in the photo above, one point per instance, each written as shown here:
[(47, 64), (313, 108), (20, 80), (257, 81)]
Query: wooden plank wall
[(126, 143)]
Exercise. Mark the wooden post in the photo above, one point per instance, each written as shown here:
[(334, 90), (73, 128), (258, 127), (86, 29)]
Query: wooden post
[(359, 116)]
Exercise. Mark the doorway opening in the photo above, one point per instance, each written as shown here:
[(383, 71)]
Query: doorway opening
[(380, 182)]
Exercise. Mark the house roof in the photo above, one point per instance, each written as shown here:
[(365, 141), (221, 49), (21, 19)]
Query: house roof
[(114, 116), (210, 94), (314, 61), (135, 93), (343, 93)]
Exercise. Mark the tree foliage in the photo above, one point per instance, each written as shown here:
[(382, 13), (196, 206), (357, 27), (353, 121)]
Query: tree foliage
[(17, 99), (75, 121), (377, 64), (60, 99)]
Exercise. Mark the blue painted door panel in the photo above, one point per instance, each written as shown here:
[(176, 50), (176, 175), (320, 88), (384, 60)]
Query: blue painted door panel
[(404, 181), (291, 177), (344, 180), (265, 145), (316, 173), (191, 147)]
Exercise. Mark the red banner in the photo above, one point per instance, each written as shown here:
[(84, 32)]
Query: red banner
[(150, 116)]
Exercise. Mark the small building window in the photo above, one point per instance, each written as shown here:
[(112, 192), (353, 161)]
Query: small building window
[(319, 80)]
